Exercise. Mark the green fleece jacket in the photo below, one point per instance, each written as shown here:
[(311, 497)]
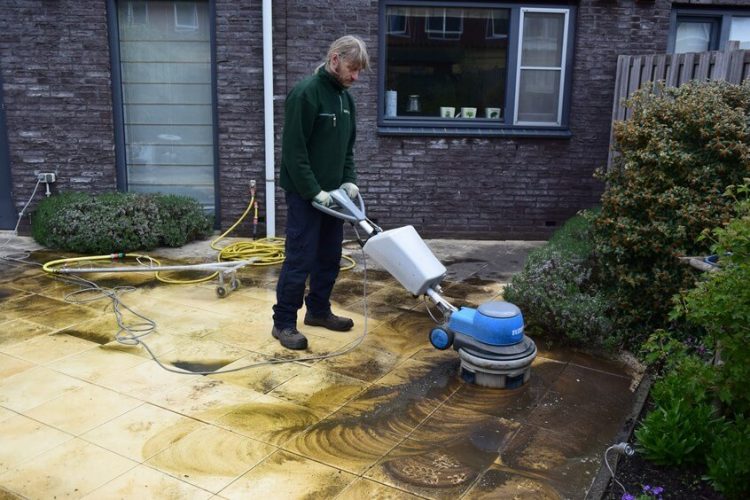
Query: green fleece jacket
[(318, 138)]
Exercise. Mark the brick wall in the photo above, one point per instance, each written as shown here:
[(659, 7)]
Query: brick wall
[(54, 58), (487, 188)]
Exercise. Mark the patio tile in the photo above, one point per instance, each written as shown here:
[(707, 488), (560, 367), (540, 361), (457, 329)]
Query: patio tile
[(352, 442), (206, 399), (210, 458), (146, 381), (82, 409), (560, 462), (366, 488), (320, 390), (24, 439), (499, 482), (33, 387), (51, 474), (364, 363), (289, 476), (145, 483), (261, 377), (9, 366), (95, 364), (19, 330), (402, 335), (268, 419), (5, 414), (142, 432), (48, 348), (247, 331), (444, 456), (52, 313), (584, 403), (513, 403)]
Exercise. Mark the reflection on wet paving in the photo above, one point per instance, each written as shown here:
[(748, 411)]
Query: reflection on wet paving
[(389, 419)]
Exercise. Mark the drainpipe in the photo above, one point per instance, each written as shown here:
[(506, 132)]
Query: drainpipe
[(268, 119)]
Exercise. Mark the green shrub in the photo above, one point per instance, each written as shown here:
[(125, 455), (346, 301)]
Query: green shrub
[(117, 222), (182, 220), (721, 305), (678, 432), (675, 157), (729, 460), (554, 290)]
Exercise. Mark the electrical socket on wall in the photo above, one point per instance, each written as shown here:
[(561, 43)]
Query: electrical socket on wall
[(46, 177)]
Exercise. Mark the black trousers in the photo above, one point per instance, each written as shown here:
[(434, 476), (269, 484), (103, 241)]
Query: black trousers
[(313, 249)]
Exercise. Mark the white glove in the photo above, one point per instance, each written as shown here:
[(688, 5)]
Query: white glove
[(351, 189), (323, 198)]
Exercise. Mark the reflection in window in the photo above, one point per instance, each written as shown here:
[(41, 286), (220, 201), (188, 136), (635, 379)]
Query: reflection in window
[(137, 13), (447, 61), (185, 16), (740, 31)]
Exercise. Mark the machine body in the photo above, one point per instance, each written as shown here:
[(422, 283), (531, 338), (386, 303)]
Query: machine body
[(490, 340)]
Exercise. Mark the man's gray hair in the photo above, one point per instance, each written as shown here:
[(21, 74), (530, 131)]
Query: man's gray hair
[(351, 49)]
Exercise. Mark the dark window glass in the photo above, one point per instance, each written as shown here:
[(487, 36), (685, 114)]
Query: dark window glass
[(446, 62)]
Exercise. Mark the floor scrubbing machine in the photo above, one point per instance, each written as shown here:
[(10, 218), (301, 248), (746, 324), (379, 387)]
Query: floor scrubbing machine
[(490, 339)]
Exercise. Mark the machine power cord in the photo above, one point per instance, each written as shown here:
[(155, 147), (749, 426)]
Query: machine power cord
[(132, 335)]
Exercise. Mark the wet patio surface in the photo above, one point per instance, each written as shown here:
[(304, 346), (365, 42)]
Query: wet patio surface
[(86, 417)]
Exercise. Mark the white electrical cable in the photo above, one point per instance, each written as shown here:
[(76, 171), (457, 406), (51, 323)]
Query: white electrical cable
[(18, 223), (133, 334)]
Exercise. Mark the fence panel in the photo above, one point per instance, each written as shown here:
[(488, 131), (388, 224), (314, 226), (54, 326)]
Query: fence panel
[(633, 72)]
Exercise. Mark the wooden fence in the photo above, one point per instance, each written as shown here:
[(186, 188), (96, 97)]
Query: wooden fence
[(732, 65)]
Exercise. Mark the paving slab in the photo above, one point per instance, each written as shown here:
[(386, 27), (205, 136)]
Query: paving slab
[(86, 416)]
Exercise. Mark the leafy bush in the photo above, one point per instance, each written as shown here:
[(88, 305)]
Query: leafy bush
[(721, 305), (117, 222), (555, 292), (675, 157), (684, 422), (694, 384), (729, 460), (678, 432)]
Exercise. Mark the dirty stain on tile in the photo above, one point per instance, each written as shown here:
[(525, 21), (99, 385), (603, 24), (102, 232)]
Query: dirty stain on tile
[(142, 432), (209, 457), (268, 419), (285, 475)]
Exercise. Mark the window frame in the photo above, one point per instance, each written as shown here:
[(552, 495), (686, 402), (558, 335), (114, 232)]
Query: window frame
[(437, 126), (721, 16)]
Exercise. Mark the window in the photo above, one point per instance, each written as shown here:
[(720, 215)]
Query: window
[(457, 68), (701, 30), (165, 89)]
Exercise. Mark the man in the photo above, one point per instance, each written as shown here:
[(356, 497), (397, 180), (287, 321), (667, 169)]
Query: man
[(316, 157)]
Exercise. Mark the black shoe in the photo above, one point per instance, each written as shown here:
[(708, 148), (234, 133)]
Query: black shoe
[(331, 321), (290, 338)]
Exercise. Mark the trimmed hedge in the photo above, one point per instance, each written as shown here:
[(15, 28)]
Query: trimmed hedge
[(117, 222)]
